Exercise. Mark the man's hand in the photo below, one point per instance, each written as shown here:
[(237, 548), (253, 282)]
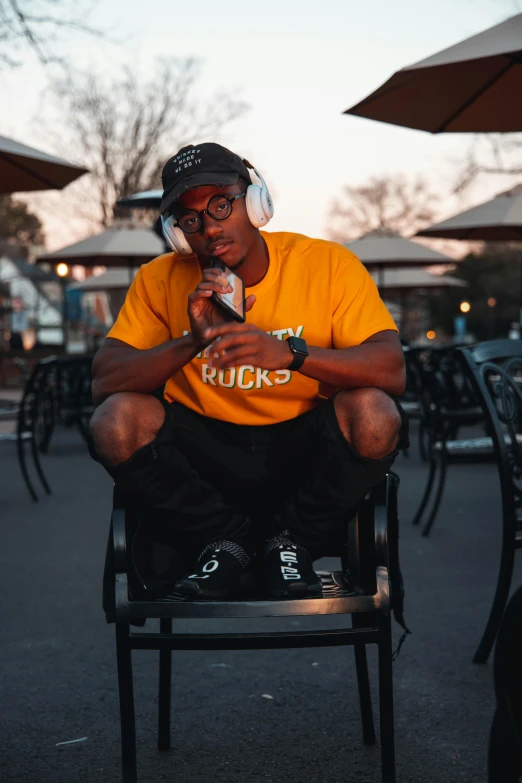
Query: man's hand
[(247, 344), (202, 312)]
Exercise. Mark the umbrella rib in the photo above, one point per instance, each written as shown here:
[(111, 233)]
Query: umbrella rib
[(27, 170), (475, 96)]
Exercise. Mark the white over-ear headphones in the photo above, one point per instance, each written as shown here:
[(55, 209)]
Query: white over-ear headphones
[(259, 209)]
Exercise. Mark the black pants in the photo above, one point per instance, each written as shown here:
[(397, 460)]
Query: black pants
[(212, 479)]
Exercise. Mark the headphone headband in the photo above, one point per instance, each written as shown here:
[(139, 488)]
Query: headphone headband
[(259, 209)]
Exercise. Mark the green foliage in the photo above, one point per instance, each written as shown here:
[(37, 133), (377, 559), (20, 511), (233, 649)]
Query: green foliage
[(495, 272), (18, 226)]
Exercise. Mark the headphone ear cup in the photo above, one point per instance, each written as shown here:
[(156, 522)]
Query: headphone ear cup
[(258, 205), (266, 203), (175, 237)]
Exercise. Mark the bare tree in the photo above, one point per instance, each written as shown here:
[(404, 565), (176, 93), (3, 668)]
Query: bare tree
[(124, 130), (391, 202), (496, 154), (37, 25)]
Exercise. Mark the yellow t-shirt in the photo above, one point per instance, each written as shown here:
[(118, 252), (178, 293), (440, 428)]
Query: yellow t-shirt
[(313, 289)]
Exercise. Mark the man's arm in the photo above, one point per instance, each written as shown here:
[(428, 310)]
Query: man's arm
[(119, 367), (378, 361)]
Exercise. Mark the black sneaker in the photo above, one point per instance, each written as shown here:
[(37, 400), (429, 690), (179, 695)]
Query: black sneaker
[(288, 569), (219, 569)]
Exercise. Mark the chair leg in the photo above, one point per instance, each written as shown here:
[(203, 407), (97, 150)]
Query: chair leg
[(507, 560), (443, 465), (126, 688), (38, 465), (23, 467), (363, 683), (504, 762), (427, 492), (165, 689), (422, 443), (386, 700)]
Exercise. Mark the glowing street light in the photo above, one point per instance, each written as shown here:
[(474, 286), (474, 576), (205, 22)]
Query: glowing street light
[(62, 270), (431, 335), (465, 307), (492, 302)]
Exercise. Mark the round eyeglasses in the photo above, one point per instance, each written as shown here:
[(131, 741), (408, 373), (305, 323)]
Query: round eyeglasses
[(218, 207)]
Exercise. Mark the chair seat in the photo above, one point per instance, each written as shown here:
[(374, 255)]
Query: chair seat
[(411, 409), (338, 598), (12, 436), (463, 414), (471, 446)]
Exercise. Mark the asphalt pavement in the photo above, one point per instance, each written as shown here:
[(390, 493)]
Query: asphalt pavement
[(280, 716)]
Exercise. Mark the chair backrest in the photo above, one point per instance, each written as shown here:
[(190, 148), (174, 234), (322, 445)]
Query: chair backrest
[(422, 366), (74, 375), (38, 390), (495, 370), (440, 384)]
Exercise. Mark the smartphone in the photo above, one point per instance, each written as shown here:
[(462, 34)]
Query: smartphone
[(234, 302)]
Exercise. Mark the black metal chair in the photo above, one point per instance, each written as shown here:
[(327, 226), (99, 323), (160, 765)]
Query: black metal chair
[(505, 741), (35, 420), (75, 405), (448, 403), (370, 563), (495, 370)]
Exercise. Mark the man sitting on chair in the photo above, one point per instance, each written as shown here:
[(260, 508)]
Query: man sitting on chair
[(268, 432)]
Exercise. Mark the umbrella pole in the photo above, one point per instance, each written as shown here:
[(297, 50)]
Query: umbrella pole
[(402, 304), (520, 299)]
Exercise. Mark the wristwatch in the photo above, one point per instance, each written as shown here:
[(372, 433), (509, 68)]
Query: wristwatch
[(298, 347)]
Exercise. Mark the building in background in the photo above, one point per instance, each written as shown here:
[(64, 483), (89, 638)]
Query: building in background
[(35, 301)]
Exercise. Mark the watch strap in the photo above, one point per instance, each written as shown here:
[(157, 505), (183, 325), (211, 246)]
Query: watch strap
[(300, 351)]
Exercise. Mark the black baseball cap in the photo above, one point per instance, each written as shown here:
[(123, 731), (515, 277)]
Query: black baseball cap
[(197, 165)]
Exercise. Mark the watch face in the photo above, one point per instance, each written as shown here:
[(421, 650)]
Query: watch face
[(298, 345)]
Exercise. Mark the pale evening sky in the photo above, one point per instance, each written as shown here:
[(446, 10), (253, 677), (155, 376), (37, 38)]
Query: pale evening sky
[(298, 64)]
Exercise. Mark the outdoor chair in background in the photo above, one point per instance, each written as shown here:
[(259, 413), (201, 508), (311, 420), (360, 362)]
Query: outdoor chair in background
[(75, 405), (412, 400), (448, 403), (505, 741), (495, 370), (409, 400), (368, 588), (35, 419)]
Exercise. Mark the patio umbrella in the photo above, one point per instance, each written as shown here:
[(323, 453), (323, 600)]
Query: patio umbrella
[(114, 283), (147, 199), (381, 249), (24, 169), (412, 281), (474, 86), (399, 280), (114, 247), (497, 220), (111, 280)]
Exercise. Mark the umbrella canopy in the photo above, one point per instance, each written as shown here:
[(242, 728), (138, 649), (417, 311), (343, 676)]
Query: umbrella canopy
[(111, 280), (494, 221), (416, 279), (24, 169), (148, 199), (383, 248), (473, 86), (124, 247)]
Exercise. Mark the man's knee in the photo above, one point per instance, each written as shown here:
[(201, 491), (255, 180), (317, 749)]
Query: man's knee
[(124, 423), (369, 420)]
